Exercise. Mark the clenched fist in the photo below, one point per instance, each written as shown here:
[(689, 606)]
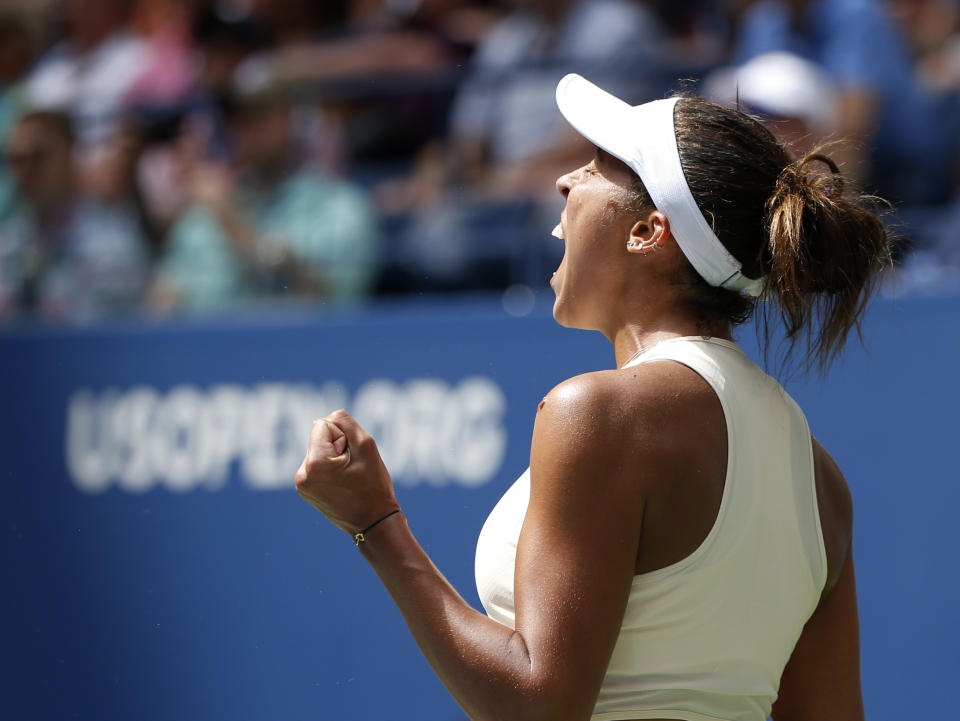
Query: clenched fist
[(343, 475)]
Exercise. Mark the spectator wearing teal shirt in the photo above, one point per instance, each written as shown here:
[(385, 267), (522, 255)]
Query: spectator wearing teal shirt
[(266, 227)]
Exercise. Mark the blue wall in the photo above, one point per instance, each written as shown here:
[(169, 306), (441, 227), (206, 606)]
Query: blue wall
[(159, 565)]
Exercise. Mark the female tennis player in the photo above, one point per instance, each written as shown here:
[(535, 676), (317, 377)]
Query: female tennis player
[(680, 547)]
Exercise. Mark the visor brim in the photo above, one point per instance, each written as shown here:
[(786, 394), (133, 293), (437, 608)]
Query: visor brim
[(601, 118)]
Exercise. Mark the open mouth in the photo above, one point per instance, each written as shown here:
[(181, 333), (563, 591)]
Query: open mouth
[(557, 233)]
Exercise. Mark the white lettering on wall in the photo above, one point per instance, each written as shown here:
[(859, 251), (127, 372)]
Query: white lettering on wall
[(139, 438)]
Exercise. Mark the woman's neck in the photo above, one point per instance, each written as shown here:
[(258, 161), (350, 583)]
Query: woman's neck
[(632, 339)]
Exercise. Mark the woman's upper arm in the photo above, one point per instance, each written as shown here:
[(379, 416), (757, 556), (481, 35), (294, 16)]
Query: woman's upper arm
[(578, 546)]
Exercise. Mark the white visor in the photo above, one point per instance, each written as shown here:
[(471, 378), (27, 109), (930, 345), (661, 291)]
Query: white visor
[(643, 137)]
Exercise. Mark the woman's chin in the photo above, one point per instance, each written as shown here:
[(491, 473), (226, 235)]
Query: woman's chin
[(566, 313), (560, 311)]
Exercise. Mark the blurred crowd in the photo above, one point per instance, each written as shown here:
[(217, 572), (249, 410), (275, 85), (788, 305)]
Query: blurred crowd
[(202, 156)]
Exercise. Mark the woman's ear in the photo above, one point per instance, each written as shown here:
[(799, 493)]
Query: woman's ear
[(649, 234)]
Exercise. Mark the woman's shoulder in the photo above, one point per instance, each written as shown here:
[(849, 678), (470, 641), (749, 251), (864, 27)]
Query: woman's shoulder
[(655, 408), (656, 385)]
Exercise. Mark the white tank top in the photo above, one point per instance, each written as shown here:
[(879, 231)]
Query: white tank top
[(707, 638)]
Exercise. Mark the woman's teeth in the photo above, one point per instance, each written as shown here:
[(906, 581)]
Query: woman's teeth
[(558, 232)]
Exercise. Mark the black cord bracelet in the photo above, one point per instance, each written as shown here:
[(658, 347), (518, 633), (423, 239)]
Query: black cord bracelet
[(359, 538)]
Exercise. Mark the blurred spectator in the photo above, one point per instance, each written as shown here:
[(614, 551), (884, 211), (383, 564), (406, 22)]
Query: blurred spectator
[(377, 39), (168, 72), (64, 256), (16, 54), (902, 146), (385, 75), (91, 71), (477, 195), (191, 149), (266, 224), (195, 49), (793, 97), (224, 39), (699, 30), (111, 176), (932, 29), (505, 131), (158, 171)]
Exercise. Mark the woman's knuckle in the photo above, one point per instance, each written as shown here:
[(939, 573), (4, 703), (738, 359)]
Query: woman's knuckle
[(314, 466)]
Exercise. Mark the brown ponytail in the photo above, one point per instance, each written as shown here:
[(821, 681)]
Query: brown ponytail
[(820, 248), (824, 252)]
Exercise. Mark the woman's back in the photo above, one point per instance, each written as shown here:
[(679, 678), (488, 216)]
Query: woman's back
[(710, 634)]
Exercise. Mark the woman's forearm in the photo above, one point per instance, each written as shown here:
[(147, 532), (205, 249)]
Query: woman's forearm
[(486, 666)]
